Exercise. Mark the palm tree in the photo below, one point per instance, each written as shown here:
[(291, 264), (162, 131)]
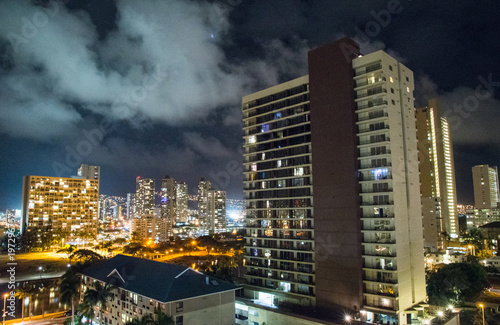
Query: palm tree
[(99, 296), (23, 293), (86, 309), (162, 318), (70, 282)]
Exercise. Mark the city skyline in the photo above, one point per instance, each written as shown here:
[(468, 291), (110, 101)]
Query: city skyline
[(157, 109)]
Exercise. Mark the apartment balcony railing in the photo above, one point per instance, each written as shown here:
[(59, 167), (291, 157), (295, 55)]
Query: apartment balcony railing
[(379, 190), (371, 104), (366, 82), (369, 69), (371, 117), (379, 267), (368, 166), (392, 241), (381, 253), (379, 293), (379, 228), (364, 178), (370, 154), (377, 203), (371, 92), (384, 139), (378, 216), (364, 130)]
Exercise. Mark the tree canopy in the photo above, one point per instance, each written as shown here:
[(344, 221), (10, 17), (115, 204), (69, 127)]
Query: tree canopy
[(456, 283)]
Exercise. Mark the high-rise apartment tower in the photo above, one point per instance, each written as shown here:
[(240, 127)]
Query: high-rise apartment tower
[(332, 187)]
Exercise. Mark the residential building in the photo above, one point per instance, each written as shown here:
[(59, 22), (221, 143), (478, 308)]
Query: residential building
[(141, 287), (144, 197), (89, 171), (344, 242), (60, 205), (211, 208), (437, 176), (485, 181)]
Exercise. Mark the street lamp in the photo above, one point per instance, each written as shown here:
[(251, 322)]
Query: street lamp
[(40, 269), (482, 307), (4, 301), (347, 318)]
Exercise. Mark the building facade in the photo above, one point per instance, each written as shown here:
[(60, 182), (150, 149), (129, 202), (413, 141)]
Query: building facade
[(485, 181), (60, 205), (344, 242), (216, 221)]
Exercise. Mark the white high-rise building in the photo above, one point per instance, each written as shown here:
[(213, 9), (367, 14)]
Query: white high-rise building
[(144, 197), (182, 202)]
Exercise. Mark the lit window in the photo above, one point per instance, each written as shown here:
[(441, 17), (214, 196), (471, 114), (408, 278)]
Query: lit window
[(252, 139), (254, 167), (299, 171), (408, 89), (265, 128), (391, 79)]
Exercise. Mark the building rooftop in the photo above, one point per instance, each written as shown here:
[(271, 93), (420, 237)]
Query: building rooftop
[(156, 280)]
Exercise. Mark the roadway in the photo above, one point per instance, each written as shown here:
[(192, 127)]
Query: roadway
[(49, 319)]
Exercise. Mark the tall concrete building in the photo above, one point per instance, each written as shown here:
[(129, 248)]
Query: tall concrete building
[(60, 205), (485, 181), (144, 197), (437, 175), (344, 240), (182, 202), (89, 171)]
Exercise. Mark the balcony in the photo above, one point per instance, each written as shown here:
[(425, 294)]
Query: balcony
[(378, 216), (371, 92), (368, 69), (379, 228), (372, 117), (378, 190), (374, 103), (379, 267), (390, 242), (365, 130), (385, 139), (377, 203), (376, 165), (370, 154), (379, 293), (366, 82), (381, 253)]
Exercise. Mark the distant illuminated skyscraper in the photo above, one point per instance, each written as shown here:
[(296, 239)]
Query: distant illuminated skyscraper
[(216, 212), (486, 190), (144, 197), (130, 205), (182, 202), (204, 186), (437, 175)]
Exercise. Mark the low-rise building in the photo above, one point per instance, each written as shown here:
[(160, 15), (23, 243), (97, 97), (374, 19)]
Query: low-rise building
[(141, 287)]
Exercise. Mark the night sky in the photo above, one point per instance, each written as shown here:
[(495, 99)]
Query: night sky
[(149, 88)]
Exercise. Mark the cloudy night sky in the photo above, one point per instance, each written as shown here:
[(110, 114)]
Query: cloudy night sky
[(148, 88)]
